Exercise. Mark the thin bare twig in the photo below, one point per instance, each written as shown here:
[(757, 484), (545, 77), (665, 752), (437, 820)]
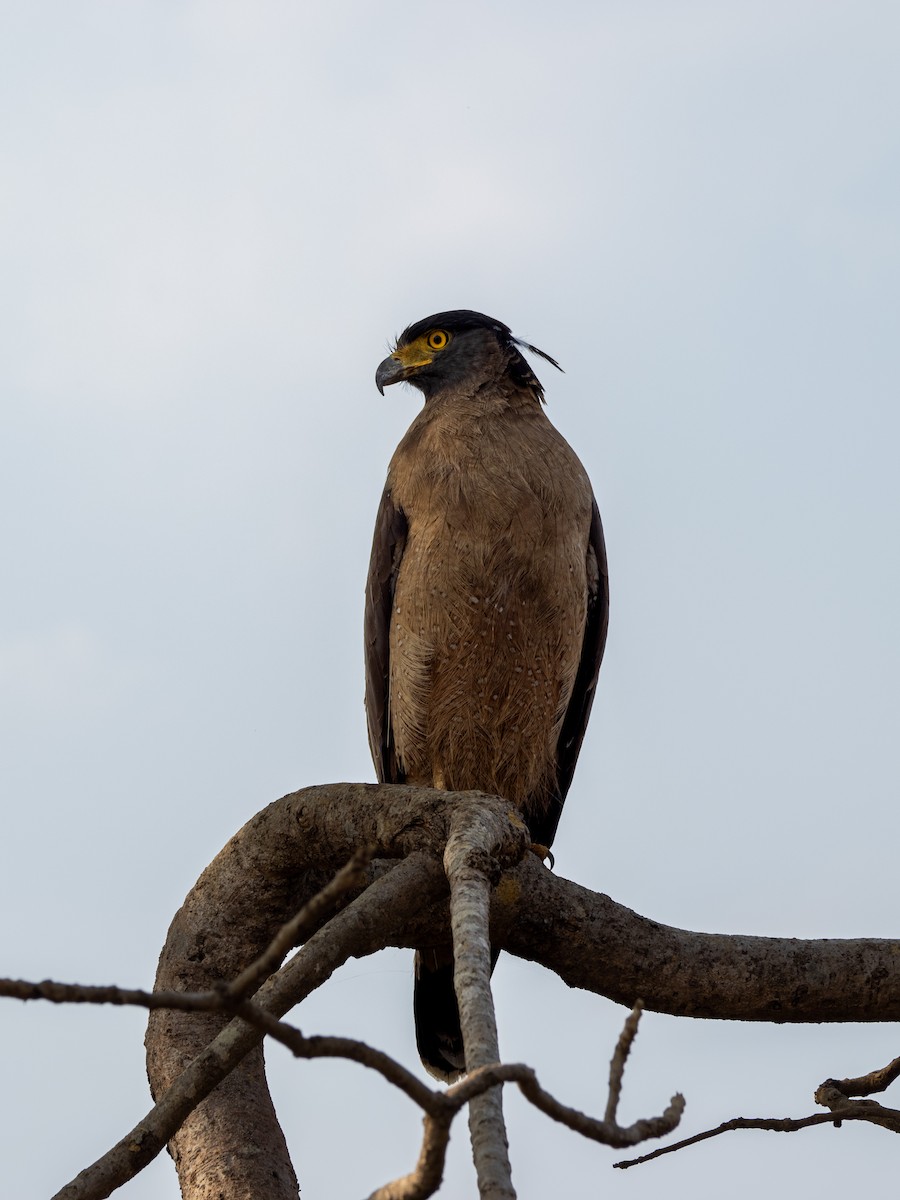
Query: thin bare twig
[(835, 1094), (341, 1047), (620, 1057), (831, 1094), (787, 1125), (416, 876), (843, 1109), (865, 1085), (349, 878), (440, 1107), (79, 993)]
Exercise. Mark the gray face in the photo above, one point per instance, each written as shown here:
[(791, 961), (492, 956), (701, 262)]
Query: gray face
[(441, 359), (446, 349)]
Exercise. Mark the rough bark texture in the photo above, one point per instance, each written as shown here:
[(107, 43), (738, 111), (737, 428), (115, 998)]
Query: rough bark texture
[(586, 938), (232, 1147), (467, 861), (593, 943)]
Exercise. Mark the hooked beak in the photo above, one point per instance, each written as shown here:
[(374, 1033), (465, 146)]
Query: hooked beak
[(390, 371), (404, 362)]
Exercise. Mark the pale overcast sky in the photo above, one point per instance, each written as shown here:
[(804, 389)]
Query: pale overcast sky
[(213, 216)]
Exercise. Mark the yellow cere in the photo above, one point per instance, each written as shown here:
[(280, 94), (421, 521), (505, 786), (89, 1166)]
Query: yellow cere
[(421, 352)]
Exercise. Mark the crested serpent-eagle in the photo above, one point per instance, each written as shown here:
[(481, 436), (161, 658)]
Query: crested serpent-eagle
[(487, 601)]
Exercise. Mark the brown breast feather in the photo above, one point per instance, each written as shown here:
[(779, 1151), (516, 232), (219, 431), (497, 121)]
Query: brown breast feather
[(492, 597)]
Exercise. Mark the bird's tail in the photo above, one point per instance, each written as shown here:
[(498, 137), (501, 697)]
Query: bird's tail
[(438, 1034)]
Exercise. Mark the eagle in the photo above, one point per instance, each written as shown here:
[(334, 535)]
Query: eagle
[(486, 605)]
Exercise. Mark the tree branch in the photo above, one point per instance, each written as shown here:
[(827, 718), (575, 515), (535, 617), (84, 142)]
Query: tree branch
[(595, 944), (215, 1056), (865, 1085), (468, 862), (277, 862), (831, 1094), (441, 1107)]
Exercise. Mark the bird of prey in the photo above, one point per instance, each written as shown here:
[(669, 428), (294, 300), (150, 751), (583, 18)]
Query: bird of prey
[(487, 601)]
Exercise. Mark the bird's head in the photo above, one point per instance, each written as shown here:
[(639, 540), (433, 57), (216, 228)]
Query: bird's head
[(449, 348)]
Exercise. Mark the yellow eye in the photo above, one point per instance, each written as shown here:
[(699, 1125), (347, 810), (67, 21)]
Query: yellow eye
[(437, 339)]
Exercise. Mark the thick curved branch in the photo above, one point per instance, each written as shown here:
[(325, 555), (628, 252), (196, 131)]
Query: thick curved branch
[(358, 929), (310, 829), (586, 938), (592, 942), (278, 860)]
